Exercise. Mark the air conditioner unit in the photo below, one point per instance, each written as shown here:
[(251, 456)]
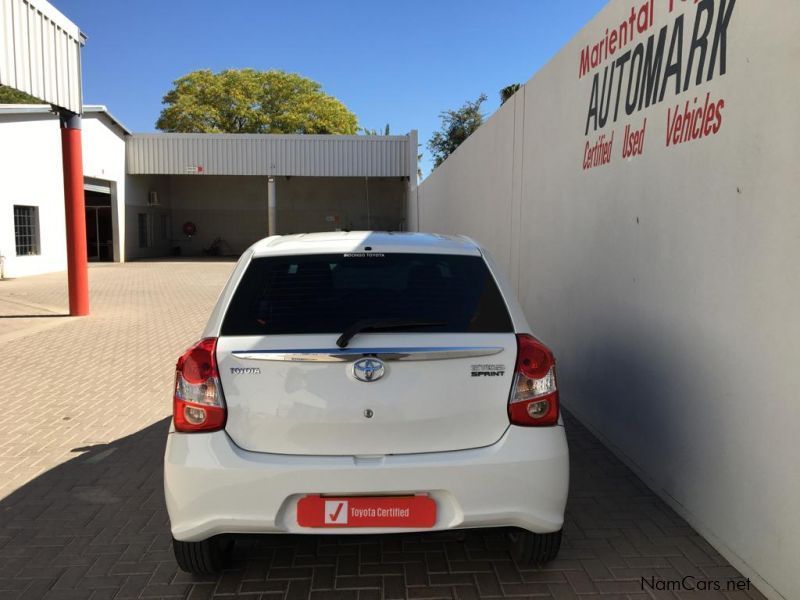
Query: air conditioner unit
[(152, 198)]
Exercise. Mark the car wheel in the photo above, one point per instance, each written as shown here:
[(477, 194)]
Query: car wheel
[(530, 548), (202, 558)]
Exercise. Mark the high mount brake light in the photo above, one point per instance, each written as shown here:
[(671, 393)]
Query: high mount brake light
[(198, 403), (534, 393)]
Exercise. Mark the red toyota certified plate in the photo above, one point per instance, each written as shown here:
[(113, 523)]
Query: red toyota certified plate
[(366, 511)]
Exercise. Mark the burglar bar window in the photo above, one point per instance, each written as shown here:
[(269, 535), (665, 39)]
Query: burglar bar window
[(26, 230)]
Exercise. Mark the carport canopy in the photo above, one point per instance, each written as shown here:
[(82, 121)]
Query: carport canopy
[(273, 155), (233, 189)]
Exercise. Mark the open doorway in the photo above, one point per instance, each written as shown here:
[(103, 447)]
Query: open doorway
[(99, 228)]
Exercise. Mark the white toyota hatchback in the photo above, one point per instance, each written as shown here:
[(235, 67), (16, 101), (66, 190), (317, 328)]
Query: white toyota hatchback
[(363, 382)]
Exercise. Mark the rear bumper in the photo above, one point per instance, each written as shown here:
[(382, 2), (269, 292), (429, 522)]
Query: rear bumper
[(212, 486)]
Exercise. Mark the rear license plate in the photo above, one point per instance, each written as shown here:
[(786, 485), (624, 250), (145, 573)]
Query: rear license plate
[(366, 511)]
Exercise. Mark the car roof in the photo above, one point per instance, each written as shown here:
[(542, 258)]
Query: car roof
[(336, 242)]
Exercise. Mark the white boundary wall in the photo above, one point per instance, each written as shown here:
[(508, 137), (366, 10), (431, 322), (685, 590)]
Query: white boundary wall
[(667, 282)]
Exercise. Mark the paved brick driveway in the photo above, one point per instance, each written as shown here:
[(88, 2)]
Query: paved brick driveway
[(85, 405)]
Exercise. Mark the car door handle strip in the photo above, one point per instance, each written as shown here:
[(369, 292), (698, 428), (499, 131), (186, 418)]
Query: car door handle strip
[(351, 354)]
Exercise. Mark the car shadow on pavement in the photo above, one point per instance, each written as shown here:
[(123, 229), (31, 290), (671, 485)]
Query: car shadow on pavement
[(96, 527)]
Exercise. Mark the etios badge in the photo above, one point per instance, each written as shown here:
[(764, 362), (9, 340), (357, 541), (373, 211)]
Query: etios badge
[(368, 369)]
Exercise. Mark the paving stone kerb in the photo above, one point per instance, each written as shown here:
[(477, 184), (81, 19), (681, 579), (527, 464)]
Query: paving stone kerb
[(86, 405)]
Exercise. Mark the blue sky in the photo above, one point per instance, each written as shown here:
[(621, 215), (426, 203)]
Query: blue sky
[(400, 63)]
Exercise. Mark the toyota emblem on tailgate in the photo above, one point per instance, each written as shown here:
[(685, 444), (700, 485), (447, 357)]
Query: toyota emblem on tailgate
[(368, 369)]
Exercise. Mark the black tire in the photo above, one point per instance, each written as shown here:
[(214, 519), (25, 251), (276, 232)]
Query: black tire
[(202, 558), (529, 548)]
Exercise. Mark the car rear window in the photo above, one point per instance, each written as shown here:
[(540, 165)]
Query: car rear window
[(326, 293)]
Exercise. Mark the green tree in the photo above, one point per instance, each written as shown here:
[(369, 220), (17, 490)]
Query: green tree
[(250, 101), (375, 131), (11, 96), (457, 126), (508, 91)]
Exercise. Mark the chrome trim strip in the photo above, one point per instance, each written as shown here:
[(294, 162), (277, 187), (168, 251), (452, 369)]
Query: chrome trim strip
[(351, 354)]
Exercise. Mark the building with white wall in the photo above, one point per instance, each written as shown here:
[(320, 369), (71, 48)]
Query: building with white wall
[(32, 227), (151, 195), (642, 191)]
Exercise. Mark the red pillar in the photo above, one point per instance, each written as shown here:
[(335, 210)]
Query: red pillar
[(74, 208)]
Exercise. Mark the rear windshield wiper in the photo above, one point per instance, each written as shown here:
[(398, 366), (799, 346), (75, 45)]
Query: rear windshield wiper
[(375, 324)]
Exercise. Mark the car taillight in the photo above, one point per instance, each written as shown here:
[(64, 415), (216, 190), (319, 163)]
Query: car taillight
[(534, 393), (198, 403)]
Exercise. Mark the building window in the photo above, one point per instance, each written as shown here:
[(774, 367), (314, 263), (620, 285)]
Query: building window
[(144, 230), (164, 227), (26, 230)]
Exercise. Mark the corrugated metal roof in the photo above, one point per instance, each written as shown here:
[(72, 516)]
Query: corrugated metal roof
[(103, 110), (40, 52), (263, 154)]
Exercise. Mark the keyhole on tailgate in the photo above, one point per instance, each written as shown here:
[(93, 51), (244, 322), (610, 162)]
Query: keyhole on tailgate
[(368, 413)]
